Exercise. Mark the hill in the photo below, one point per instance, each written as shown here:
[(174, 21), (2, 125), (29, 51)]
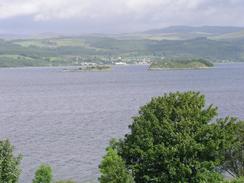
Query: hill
[(189, 32), (200, 29), (129, 48)]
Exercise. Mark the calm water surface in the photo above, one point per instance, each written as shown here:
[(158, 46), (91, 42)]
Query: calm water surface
[(66, 119)]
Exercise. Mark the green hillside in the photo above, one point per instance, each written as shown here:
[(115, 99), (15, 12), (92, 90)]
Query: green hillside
[(129, 48), (200, 29), (230, 36)]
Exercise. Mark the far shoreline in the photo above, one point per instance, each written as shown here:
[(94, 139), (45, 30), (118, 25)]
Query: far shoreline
[(170, 69), (154, 69)]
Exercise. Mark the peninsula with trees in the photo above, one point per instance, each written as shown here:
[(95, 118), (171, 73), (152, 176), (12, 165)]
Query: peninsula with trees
[(180, 64)]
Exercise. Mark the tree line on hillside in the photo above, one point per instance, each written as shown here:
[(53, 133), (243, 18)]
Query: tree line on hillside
[(175, 138), (112, 47)]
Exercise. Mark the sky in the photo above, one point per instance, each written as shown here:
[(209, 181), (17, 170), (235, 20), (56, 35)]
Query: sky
[(114, 16)]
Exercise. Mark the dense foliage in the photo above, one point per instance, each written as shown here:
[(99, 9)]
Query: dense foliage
[(43, 174), (113, 169), (9, 163), (181, 64), (234, 161), (176, 138), (238, 180)]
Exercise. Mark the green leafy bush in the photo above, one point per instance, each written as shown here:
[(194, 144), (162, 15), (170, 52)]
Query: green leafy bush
[(9, 163), (238, 180), (234, 160), (113, 169), (176, 138), (43, 174)]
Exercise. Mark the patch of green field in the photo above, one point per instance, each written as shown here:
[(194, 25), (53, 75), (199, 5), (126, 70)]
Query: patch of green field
[(15, 57), (20, 62), (52, 43), (29, 43), (163, 37), (56, 43), (25, 61), (70, 42), (168, 36)]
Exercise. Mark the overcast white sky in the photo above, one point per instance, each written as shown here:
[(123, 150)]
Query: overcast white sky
[(114, 16)]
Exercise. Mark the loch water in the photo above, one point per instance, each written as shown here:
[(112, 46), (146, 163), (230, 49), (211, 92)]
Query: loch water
[(66, 119)]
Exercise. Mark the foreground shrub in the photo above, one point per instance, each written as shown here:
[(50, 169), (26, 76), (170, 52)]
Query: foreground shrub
[(43, 174), (234, 163), (9, 164), (176, 138), (210, 177), (237, 180), (113, 169)]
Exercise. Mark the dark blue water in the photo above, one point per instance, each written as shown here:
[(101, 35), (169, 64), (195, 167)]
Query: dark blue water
[(67, 118)]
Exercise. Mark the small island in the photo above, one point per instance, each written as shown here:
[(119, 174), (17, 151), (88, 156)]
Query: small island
[(180, 64), (95, 68), (91, 68)]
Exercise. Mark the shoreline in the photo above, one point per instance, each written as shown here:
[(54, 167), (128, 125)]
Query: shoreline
[(168, 69), (36, 67)]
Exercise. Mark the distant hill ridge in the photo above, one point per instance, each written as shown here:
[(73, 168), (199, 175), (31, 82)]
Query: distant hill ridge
[(192, 29)]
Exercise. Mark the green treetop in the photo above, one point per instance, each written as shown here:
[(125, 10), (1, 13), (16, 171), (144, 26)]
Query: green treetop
[(177, 138), (9, 163)]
